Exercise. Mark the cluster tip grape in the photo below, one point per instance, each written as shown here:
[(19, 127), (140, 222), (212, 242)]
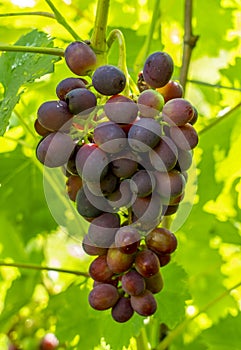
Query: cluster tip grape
[(125, 159)]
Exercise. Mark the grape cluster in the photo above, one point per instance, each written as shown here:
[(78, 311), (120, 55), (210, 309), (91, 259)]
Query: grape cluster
[(126, 158)]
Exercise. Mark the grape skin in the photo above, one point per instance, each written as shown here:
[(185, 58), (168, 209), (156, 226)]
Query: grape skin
[(177, 112), (68, 84), (161, 241), (103, 296), (173, 89), (80, 58), (164, 156), (80, 100), (150, 103), (117, 261), (144, 304), (147, 263), (102, 230), (185, 137), (127, 239), (110, 137), (133, 283), (154, 283), (92, 249), (73, 183), (122, 311), (121, 109), (108, 80), (99, 269), (84, 207)]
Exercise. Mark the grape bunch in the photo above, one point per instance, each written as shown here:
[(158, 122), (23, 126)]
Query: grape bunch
[(125, 156)]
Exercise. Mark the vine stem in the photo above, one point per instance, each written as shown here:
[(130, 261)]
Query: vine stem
[(61, 20), (29, 13), (179, 329), (33, 49), (43, 268), (190, 41), (98, 39)]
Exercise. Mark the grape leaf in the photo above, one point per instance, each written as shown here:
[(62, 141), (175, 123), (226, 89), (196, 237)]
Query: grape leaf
[(171, 300), (225, 335), (17, 69)]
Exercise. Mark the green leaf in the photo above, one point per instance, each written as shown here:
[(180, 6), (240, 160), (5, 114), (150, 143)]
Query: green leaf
[(18, 295), (171, 300), (225, 335), (17, 69)]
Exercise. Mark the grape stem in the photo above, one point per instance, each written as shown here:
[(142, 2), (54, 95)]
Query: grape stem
[(61, 20), (190, 41), (114, 35), (32, 49), (180, 328), (43, 268)]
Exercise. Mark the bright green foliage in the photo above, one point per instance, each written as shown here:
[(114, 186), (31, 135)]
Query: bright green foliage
[(40, 227)]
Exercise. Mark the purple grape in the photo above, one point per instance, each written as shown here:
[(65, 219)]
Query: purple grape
[(121, 109), (158, 69), (133, 283), (103, 296), (122, 311), (110, 137), (80, 58), (108, 80), (144, 304), (80, 100), (68, 84)]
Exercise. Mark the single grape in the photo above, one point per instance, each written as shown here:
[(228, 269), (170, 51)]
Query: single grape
[(55, 115), (122, 311), (80, 58), (147, 263), (127, 239), (170, 184), (147, 209), (185, 137), (161, 241), (99, 270), (117, 261), (68, 84), (55, 149), (164, 156), (92, 249), (103, 296), (184, 160), (173, 89), (150, 103), (73, 184), (144, 304), (133, 283), (108, 80), (121, 109), (144, 134), (102, 229), (49, 342), (170, 209), (106, 186), (164, 259), (177, 111), (154, 283), (124, 165), (80, 100), (42, 131), (91, 162), (84, 207), (110, 137), (158, 69), (142, 183)]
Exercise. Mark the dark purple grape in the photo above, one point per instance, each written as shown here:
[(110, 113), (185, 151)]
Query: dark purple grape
[(170, 185), (144, 134), (106, 186), (55, 149), (117, 261), (158, 69), (71, 166), (122, 311), (154, 283), (55, 115), (173, 89), (108, 80), (142, 183), (42, 131), (150, 103), (164, 156), (195, 116), (144, 304), (68, 84), (80, 58), (133, 283), (103, 296), (49, 342), (92, 249), (161, 241), (99, 270), (110, 137), (148, 209), (80, 100), (91, 162), (127, 239), (124, 165), (177, 112), (147, 263), (73, 184), (185, 137), (84, 207), (170, 209), (184, 160), (102, 230), (164, 259), (121, 109)]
